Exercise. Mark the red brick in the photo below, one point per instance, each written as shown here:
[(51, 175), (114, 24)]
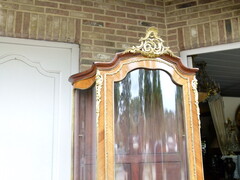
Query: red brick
[(221, 16), (177, 24), (63, 29), (187, 17), (31, 8), (160, 14), (117, 26), (231, 8), (56, 28), (180, 39), (57, 11), (155, 8), (126, 21), (82, 2), (87, 28), (126, 9), (71, 29), (103, 30), (207, 33), (104, 18), (197, 8), (113, 51), (221, 31), (86, 55), (126, 33), (194, 36), (49, 23), (186, 5), (70, 7), (104, 6), (46, 4), (176, 13), (41, 26), (201, 35), (6, 5), (144, 23), (235, 29), (93, 23), (171, 19), (26, 22), (135, 5), (198, 20), (104, 43), (133, 40), (145, 12), (206, 1), (136, 28), (236, 13), (93, 10), (115, 38), (87, 41), (18, 24), (64, 1), (3, 15), (186, 36), (81, 15), (155, 19), (33, 26), (228, 27), (209, 12), (172, 31), (91, 35), (136, 16), (26, 1), (214, 32), (115, 13), (172, 37)]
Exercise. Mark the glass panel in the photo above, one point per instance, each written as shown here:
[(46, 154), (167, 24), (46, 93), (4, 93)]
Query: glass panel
[(149, 133)]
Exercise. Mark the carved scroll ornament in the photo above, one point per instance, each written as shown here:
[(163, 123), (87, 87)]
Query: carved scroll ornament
[(151, 45)]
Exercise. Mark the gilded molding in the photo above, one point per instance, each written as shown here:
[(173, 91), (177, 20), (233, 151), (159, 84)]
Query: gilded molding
[(194, 87), (151, 45), (99, 83)]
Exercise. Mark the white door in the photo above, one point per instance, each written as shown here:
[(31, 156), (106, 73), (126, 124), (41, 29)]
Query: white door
[(35, 109)]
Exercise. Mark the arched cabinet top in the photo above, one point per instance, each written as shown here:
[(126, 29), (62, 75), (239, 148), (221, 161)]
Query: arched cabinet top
[(150, 49)]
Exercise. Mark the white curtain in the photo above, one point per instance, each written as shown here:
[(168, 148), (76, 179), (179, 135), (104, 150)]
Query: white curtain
[(217, 111)]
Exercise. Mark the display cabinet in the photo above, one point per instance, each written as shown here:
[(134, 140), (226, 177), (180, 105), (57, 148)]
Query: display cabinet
[(137, 117)]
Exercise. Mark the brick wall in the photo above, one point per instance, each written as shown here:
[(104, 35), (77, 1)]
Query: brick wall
[(101, 27), (104, 27), (201, 23)]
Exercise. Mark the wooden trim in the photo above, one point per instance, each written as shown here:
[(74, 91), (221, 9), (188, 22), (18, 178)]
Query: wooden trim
[(121, 57)]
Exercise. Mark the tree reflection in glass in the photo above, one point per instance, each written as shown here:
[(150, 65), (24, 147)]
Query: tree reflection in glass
[(148, 127)]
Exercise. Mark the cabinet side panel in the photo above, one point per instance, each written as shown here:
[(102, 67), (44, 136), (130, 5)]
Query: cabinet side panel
[(84, 135)]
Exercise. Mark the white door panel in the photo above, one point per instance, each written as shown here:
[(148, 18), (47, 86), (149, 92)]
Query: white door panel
[(35, 109)]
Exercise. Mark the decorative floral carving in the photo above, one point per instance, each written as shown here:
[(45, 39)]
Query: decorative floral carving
[(99, 83), (194, 87), (151, 45)]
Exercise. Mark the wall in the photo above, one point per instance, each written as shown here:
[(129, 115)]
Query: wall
[(201, 23), (101, 27), (104, 27)]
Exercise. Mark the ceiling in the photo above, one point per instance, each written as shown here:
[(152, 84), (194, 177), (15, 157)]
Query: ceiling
[(224, 68)]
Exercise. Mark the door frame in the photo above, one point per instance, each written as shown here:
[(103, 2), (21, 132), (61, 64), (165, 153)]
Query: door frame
[(186, 54)]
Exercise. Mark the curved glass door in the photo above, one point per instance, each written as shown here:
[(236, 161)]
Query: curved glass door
[(149, 127)]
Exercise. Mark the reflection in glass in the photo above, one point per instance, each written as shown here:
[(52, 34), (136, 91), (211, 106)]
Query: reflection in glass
[(149, 141)]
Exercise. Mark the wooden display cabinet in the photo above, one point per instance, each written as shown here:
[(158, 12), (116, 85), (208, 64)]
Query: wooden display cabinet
[(137, 117)]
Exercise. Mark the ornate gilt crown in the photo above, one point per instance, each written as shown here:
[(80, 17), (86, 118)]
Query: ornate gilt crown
[(151, 45)]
